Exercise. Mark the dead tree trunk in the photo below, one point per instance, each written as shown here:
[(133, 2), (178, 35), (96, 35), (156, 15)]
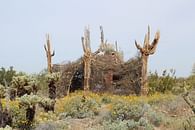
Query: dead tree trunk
[(52, 90), (30, 114), (49, 54), (86, 58), (51, 84), (147, 49)]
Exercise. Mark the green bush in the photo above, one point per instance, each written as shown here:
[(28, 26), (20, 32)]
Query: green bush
[(24, 85), (106, 100), (2, 91), (57, 125), (6, 128), (53, 77), (122, 110), (20, 109), (163, 83), (42, 83), (18, 117), (29, 100), (191, 80), (116, 125), (6, 75), (127, 125), (47, 104), (80, 107), (189, 124), (154, 117)]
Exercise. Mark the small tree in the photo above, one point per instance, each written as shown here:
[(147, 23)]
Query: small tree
[(147, 49)]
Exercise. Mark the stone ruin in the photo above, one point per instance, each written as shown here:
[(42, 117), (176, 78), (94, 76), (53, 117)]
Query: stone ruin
[(109, 73)]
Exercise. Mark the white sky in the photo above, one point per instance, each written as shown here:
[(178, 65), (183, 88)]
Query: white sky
[(24, 23)]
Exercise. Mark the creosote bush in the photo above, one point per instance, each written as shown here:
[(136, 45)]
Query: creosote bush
[(122, 110), (163, 83), (79, 107)]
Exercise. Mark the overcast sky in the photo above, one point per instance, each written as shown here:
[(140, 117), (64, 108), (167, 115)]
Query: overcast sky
[(24, 23)]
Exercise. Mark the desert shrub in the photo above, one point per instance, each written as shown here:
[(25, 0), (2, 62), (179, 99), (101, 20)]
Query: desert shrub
[(80, 107), (163, 83), (145, 124), (42, 83), (19, 117), (6, 128), (46, 126), (6, 75), (24, 85), (122, 110), (17, 113), (23, 114), (28, 100), (139, 115), (2, 91), (106, 99), (189, 124), (154, 117), (116, 125), (47, 104), (191, 81), (43, 117), (128, 125), (132, 124), (53, 77), (57, 125)]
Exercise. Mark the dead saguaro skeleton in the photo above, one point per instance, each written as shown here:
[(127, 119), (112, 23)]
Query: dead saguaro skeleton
[(147, 49), (49, 55), (86, 58)]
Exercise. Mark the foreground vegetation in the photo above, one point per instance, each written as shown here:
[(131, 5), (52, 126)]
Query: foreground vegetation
[(104, 111), (164, 108)]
